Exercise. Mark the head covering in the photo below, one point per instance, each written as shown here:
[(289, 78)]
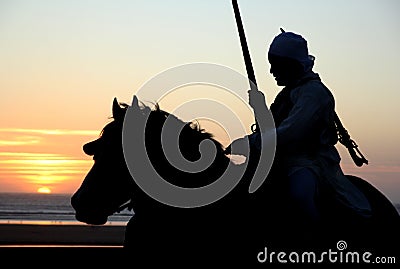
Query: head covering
[(293, 46)]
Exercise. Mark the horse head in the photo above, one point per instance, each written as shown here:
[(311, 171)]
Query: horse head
[(109, 184)]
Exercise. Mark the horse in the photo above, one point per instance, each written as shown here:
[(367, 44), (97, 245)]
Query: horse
[(236, 228)]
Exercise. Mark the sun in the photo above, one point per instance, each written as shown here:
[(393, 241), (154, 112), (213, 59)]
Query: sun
[(43, 190)]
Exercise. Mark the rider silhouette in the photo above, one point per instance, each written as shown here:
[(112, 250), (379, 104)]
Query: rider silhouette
[(306, 134)]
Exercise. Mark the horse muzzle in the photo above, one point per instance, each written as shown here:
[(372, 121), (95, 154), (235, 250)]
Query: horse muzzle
[(88, 213)]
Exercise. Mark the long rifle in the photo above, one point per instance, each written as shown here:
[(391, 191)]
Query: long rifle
[(246, 55)]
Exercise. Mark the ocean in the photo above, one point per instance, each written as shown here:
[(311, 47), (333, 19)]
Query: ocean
[(46, 208)]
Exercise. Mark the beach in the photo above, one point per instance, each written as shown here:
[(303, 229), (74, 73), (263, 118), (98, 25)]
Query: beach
[(42, 226), (61, 234), (65, 242)]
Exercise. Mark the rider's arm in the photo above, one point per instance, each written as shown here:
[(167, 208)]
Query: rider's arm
[(310, 104)]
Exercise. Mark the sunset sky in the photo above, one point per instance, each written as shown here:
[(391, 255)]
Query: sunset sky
[(62, 63)]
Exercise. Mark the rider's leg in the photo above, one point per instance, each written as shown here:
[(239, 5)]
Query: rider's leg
[(302, 192)]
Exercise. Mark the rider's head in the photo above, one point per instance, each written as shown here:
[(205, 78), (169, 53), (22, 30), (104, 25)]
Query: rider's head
[(289, 58)]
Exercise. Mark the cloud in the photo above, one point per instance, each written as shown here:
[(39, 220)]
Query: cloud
[(40, 168), (20, 141), (50, 131), (30, 155)]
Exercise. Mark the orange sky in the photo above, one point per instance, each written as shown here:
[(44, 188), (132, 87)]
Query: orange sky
[(62, 63), (32, 158)]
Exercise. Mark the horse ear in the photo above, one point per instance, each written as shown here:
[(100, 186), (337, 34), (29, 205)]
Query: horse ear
[(116, 109), (135, 102)]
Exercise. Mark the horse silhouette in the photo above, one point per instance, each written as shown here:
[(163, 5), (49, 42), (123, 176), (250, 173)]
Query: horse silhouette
[(233, 229)]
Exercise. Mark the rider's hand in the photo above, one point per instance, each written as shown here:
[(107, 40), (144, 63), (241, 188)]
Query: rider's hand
[(239, 146), (243, 145), (257, 100)]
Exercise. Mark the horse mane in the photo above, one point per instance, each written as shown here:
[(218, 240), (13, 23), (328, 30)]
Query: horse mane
[(190, 136), (194, 125)]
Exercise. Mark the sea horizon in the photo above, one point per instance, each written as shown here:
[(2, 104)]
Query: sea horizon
[(46, 209), (58, 222)]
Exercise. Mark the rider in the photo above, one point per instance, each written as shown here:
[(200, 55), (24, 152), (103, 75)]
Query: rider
[(305, 131)]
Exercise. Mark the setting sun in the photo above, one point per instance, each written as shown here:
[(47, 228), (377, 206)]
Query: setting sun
[(43, 190)]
